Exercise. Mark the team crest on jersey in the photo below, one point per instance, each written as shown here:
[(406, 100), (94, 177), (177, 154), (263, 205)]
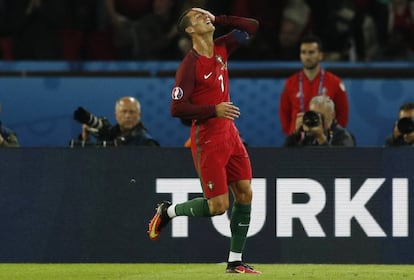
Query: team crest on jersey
[(177, 93), (221, 61), (210, 185)]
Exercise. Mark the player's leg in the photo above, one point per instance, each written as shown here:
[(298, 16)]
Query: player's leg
[(165, 211), (239, 226), (209, 162), (240, 218), (214, 183), (239, 174), (210, 165)]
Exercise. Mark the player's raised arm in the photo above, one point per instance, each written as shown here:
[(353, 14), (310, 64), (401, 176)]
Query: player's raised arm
[(248, 25)]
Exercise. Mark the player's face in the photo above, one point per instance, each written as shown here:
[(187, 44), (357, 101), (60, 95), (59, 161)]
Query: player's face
[(200, 23), (310, 55), (127, 114)]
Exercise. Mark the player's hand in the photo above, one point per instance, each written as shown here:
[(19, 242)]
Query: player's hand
[(396, 132), (299, 121), (409, 138), (210, 15), (319, 133), (227, 110)]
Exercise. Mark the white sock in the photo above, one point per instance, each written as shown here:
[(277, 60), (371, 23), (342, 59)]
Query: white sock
[(171, 211), (233, 257)]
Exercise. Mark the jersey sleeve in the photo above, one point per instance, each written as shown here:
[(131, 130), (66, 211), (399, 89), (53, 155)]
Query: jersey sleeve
[(248, 25), (243, 30), (181, 106), (285, 110), (341, 105)]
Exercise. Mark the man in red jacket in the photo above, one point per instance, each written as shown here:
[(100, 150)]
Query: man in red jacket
[(311, 81), (201, 94)]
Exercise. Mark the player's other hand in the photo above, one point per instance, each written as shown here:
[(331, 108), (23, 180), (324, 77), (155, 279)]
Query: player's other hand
[(299, 122), (210, 15), (409, 138), (227, 110)]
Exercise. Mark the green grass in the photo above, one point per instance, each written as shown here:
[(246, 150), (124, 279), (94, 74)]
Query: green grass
[(200, 272)]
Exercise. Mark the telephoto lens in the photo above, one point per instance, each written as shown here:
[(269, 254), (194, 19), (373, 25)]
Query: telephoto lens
[(84, 117), (311, 119), (406, 125)]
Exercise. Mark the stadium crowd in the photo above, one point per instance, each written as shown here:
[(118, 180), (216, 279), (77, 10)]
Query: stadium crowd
[(85, 30)]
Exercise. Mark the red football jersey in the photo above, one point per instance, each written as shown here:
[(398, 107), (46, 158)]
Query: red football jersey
[(202, 82), (290, 99)]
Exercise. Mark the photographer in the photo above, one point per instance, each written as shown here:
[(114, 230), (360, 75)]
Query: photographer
[(129, 130), (403, 132), (8, 137), (318, 126)]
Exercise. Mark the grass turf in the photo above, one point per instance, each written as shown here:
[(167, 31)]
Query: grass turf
[(200, 271)]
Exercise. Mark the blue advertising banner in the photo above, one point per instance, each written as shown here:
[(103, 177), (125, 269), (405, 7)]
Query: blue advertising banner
[(40, 106)]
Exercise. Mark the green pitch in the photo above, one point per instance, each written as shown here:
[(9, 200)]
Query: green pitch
[(200, 272)]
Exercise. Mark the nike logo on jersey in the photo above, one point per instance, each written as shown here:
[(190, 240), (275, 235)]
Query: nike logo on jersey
[(206, 76)]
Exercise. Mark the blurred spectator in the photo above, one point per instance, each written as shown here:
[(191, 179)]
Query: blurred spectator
[(6, 51), (370, 28), (397, 48), (188, 4), (401, 15), (3, 17), (294, 25), (122, 14), (86, 32), (332, 21), (8, 138), (400, 43), (351, 30), (218, 7), (269, 14), (152, 36), (403, 131), (123, 10), (34, 26)]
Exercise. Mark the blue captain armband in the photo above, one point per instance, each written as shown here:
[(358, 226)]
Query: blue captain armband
[(241, 37)]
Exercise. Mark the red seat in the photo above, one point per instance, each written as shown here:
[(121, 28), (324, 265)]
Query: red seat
[(71, 40), (6, 46), (100, 46)]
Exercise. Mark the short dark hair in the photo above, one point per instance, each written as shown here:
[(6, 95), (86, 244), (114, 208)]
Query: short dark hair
[(407, 106), (183, 22), (312, 39)]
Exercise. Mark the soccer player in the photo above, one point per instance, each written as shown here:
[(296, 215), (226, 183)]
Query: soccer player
[(201, 93), (312, 80)]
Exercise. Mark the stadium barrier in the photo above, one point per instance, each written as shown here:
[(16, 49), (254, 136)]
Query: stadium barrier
[(48, 93), (349, 205)]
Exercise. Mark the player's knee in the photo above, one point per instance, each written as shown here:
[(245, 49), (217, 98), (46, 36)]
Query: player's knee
[(245, 197), (218, 207)]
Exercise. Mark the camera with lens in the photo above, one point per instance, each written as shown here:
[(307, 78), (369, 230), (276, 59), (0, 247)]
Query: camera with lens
[(100, 126), (312, 119), (405, 125)]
